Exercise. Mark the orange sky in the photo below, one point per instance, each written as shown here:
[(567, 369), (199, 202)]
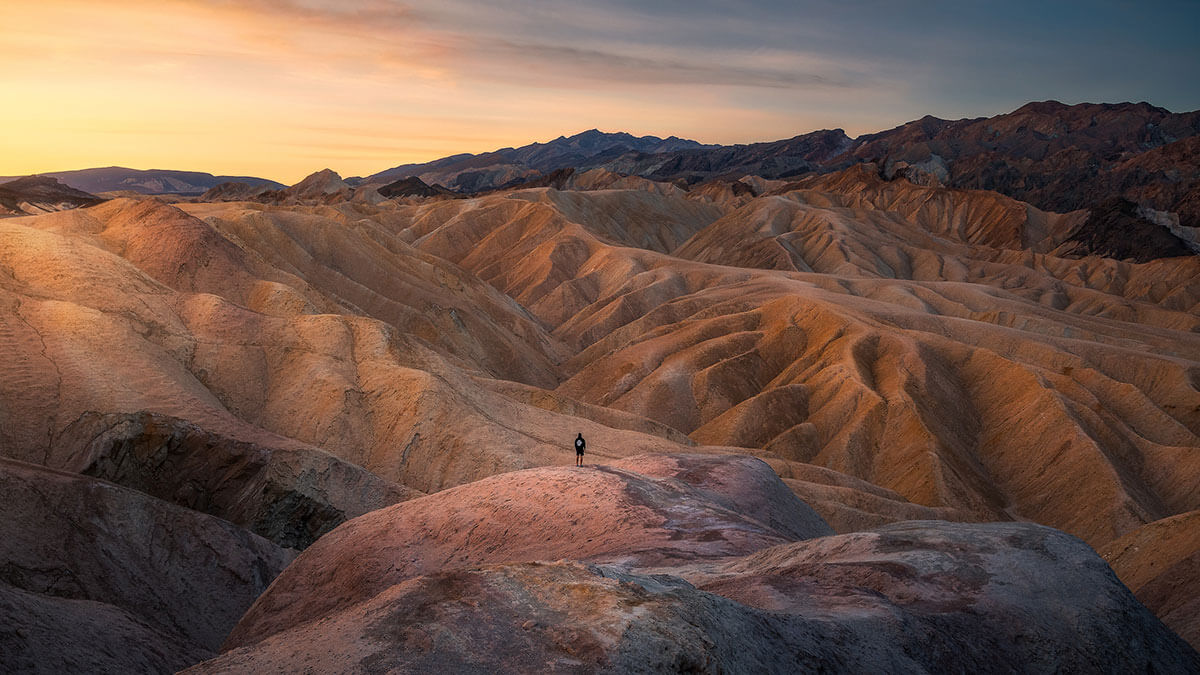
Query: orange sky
[(279, 88), (264, 88)]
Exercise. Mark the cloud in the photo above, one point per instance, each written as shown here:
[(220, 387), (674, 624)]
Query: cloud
[(580, 63), (465, 40)]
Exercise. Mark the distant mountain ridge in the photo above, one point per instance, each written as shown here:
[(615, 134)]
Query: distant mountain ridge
[(469, 172), (1055, 156), (148, 181)]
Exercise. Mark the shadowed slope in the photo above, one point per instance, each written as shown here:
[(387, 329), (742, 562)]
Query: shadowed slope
[(1160, 563), (113, 579)]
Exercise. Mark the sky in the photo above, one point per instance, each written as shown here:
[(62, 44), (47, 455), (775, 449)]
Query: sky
[(282, 88)]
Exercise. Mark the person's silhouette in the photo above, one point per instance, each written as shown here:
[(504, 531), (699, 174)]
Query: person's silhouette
[(580, 444)]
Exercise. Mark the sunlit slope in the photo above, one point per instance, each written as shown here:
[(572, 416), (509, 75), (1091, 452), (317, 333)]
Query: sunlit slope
[(911, 346)]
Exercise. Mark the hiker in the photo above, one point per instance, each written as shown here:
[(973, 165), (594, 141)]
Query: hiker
[(580, 444)]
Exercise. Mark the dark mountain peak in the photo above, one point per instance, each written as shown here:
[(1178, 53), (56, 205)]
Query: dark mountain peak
[(412, 187), (1048, 107), (590, 133), (594, 138), (1052, 107), (1140, 106)]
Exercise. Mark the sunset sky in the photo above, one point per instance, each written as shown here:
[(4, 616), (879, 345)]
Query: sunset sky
[(280, 88)]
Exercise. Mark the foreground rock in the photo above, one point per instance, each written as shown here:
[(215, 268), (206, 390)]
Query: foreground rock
[(590, 513), (99, 578), (1160, 563), (917, 597)]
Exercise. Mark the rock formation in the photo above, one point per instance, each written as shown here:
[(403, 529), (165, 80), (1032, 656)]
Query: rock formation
[(35, 195), (411, 592), (592, 514)]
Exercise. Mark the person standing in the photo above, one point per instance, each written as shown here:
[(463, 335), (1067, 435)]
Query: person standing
[(580, 444)]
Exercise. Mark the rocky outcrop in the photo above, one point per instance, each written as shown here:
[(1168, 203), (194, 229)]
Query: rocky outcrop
[(34, 195), (96, 577), (915, 597), (289, 495), (589, 513), (324, 186), (413, 187), (1116, 229)]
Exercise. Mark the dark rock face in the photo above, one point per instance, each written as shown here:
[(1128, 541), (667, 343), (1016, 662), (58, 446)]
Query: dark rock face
[(42, 633), (590, 148), (412, 187), (290, 496), (557, 179), (41, 194), (1115, 229), (95, 577), (915, 597), (788, 158)]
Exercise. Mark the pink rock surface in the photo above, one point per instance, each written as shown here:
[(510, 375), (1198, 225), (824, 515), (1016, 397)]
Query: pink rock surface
[(919, 597), (593, 513)]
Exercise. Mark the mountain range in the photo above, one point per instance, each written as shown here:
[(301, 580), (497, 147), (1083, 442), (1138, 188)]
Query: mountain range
[(147, 181), (1057, 157), (1054, 156)]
